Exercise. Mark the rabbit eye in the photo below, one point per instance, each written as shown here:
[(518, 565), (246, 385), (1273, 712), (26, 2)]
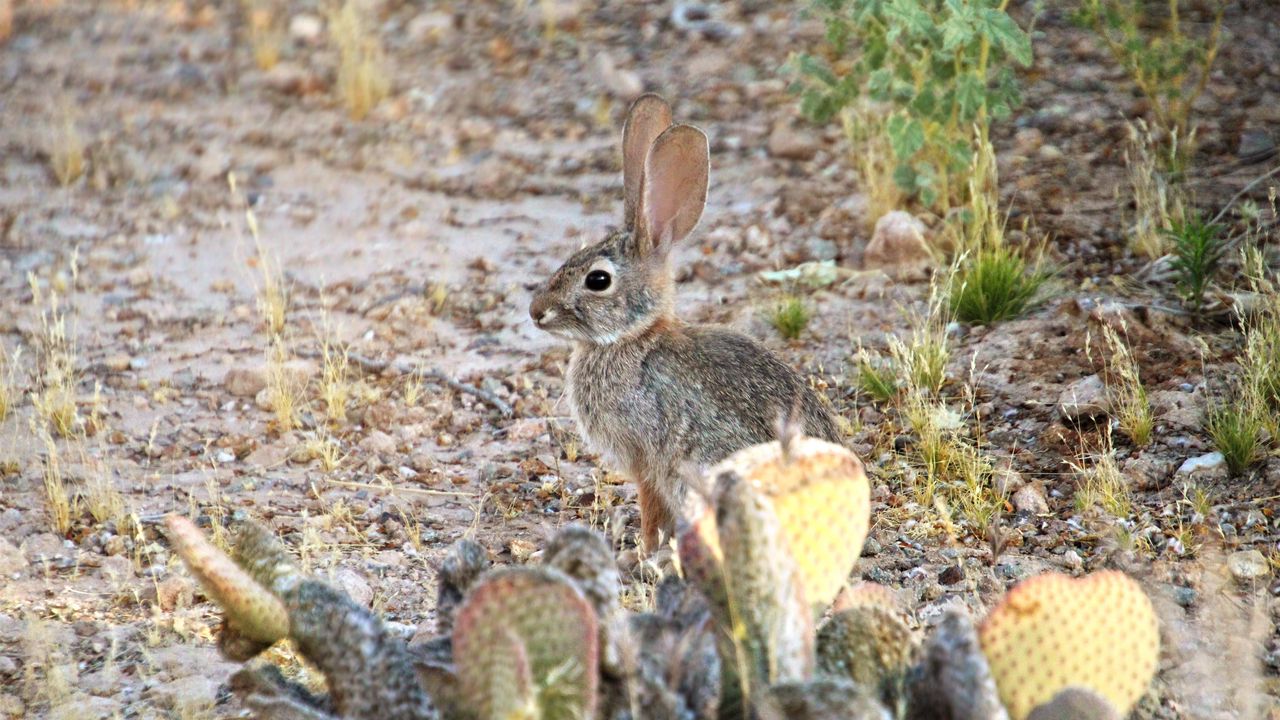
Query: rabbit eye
[(598, 281)]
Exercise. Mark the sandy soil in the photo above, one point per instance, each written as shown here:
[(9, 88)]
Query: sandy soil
[(416, 236)]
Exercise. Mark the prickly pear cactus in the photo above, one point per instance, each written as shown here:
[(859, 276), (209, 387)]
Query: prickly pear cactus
[(822, 500), (525, 644), (251, 608), (870, 645), (1053, 632)]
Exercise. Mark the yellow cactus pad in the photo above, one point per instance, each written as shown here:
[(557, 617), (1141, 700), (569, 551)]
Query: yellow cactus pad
[(822, 499), (251, 608), (1053, 632)]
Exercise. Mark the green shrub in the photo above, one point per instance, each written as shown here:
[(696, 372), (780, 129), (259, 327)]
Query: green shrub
[(995, 284), (790, 317), (1197, 252), (939, 66)]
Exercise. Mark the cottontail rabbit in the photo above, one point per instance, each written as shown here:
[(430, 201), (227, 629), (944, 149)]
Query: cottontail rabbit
[(651, 393)]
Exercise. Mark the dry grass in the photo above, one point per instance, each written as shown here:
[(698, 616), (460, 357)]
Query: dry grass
[(1099, 482), (57, 498), (47, 675), (272, 300), (1129, 402), (284, 387), (54, 398), (335, 378), (266, 34), (1157, 201), (873, 160), (66, 148), (922, 361), (101, 497), (362, 76), (9, 392)]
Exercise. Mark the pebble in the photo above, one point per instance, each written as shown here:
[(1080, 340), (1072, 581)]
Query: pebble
[(354, 585), (430, 26), (306, 27), (619, 82), (788, 143), (378, 443), (1202, 464), (1030, 499), (1248, 565), (1083, 399), (244, 382), (897, 242)]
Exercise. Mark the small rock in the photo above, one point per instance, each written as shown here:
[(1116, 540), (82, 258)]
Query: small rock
[(174, 592), (1204, 464), (118, 362), (1030, 499), (289, 78), (1083, 399), (526, 429), (1184, 596), (245, 382), (430, 26), (306, 27), (11, 559), (1050, 152), (1028, 141), (1248, 565), (188, 693), (378, 443), (952, 575), (354, 585), (788, 143), (898, 242), (139, 277)]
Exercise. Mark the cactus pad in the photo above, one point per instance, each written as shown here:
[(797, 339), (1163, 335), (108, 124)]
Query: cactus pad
[(868, 644), (525, 645), (1053, 632), (254, 611), (821, 497)]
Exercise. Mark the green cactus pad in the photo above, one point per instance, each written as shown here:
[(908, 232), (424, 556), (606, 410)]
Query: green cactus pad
[(525, 645), (868, 644), (1053, 632), (254, 611)]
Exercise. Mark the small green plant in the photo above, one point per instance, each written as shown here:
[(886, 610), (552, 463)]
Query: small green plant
[(1197, 250), (876, 377), (940, 66), (790, 317), (1236, 429), (1169, 66), (996, 284)]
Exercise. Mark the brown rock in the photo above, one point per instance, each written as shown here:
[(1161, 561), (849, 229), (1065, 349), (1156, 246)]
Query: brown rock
[(898, 243), (174, 592), (354, 585), (245, 382), (1083, 399), (788, 143)]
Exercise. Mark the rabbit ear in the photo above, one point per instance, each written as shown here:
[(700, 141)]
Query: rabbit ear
[(675, 187), (648, 117)]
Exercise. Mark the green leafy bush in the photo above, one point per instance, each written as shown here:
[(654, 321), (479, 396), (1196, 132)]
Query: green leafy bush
[(1169, 65), (939, 67)]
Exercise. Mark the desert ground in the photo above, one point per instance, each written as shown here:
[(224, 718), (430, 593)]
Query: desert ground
[(222, 296)]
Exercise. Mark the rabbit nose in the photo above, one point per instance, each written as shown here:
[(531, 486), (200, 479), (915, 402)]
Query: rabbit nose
[(538, 309)]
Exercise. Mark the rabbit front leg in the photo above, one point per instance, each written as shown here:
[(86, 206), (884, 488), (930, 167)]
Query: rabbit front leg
[(660, 492)]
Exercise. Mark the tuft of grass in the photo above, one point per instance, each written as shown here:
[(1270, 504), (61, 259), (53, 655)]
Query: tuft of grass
[(954, 472), (47, 675), (57, 498), (272, 300), (66, 148), (995, 284), (9, 393), (362, 75), (989, 281), (335, 379), (922, 361), (284, 391), (54, 397), (876, 377), (1197, 253), (266, 34), (865, 127), (1099, 482), (1156, 198), (790, 317), (1129, 402), (1237, 432)]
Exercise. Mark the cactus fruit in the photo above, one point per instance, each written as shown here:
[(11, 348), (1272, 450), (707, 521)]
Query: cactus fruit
[(525, 645), (1053, 632), (251, 609), (821, 497)]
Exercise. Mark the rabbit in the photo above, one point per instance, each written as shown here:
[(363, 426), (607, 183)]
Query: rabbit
[(653, 395)]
